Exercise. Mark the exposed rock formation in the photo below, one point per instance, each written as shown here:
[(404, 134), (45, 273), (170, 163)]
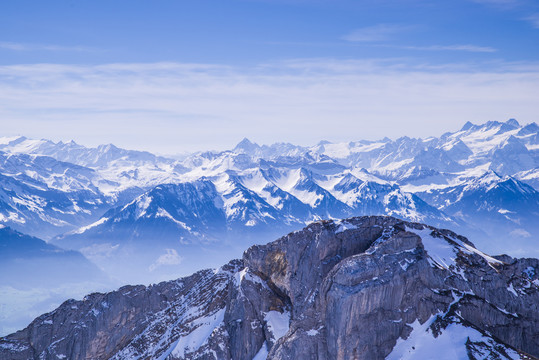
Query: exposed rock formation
[(362, 288)]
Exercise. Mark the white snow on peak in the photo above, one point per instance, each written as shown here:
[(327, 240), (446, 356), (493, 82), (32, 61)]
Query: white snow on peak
[(343, 226), (88, 227), (246, 275), (142, 205), (443, 253), (485, 139), (440, 251)]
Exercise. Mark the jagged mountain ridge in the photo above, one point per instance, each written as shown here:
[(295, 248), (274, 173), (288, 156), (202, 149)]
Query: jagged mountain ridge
[(234, 209), (500, 204), (488, 146), (474, 146), (369, 287), (74, 153), (293, 185), (43, 196)]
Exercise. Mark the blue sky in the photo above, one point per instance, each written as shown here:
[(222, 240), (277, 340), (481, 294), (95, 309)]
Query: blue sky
[(193, 75)]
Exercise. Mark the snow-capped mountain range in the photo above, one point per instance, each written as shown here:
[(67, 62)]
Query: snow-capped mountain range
[(481, 180), (143, 218)]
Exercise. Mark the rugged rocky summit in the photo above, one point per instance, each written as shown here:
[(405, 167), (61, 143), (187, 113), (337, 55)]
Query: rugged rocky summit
[(361, 288)]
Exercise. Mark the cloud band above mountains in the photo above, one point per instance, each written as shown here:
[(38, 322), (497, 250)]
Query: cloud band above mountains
[(285, 101)]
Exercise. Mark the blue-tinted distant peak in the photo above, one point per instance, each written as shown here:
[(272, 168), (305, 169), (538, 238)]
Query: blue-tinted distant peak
[(246, 146), (529, 129), (467, 126), (107, 147), (513, 122), (490, 176)]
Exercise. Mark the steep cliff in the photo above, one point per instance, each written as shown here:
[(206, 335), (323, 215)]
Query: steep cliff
[(361, 288)]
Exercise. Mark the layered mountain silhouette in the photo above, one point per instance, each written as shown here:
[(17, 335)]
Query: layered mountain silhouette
[(360, 288), (142, 218)]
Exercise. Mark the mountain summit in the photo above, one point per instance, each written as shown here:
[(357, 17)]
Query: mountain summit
[(246, 146)]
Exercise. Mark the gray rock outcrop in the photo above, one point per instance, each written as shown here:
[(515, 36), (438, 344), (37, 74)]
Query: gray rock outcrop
[(361, 288)]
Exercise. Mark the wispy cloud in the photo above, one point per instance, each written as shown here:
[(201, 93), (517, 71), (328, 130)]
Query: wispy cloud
[(380, 32), (467, 47), (171, 257), (534, 20), (170, 107), (42, 47), (499, 3)]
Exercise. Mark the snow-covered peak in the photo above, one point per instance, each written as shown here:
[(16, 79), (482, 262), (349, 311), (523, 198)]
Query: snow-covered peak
[(513, 122), (467, 126), (529, 129), (246, 146), (490, 179)]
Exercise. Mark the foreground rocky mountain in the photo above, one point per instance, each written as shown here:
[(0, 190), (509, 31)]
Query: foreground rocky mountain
[(367, 287)]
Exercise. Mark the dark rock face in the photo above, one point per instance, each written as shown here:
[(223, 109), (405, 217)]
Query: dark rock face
[(362, 288)]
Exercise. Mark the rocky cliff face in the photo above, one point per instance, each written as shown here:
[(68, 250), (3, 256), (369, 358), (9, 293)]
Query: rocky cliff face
[(361, 288)]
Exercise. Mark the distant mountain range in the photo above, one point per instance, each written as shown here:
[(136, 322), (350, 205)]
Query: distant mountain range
[(143, 218), (112, 203)]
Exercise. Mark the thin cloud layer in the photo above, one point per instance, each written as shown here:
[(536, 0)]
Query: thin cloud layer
[(174, 107), (376, 33), (170, 257), (41, 47), (499, 3), (468, 47)]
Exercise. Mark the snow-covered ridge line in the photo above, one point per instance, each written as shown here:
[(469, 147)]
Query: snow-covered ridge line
[(443, 251)]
